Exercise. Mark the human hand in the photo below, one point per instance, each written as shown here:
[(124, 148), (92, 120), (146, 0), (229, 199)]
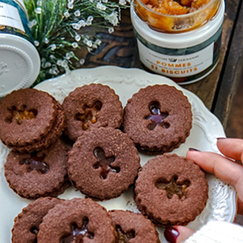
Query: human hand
[(224, 167)]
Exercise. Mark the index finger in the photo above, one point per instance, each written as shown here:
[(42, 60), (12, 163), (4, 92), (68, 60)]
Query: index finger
[(226, 170)]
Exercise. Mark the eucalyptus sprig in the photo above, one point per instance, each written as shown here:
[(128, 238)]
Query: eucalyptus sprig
[(60, 26)]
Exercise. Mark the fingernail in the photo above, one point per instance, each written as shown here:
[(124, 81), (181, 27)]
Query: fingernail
[(193, 149), (171, 234), (220, 138)]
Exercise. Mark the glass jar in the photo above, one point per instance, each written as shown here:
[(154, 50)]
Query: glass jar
[(183, 47), (19, 59)]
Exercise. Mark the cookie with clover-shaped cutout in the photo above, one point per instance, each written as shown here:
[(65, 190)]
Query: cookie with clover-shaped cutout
[(171, 190), (158, 119)]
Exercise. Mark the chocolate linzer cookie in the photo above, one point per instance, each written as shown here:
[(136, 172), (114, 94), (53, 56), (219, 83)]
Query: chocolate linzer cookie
[(134, 227), (171, 190), (91, 106), (103, 163), (30, 120), (77, 220), (38, 174), (26, 224), (158, 118)]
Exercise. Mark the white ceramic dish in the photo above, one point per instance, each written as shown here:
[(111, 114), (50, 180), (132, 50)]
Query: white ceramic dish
[(206, 128)]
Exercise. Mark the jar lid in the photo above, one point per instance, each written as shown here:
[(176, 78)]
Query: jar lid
[(19, 63)]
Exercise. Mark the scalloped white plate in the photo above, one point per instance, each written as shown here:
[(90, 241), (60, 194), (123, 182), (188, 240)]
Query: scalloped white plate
[(206, 128)]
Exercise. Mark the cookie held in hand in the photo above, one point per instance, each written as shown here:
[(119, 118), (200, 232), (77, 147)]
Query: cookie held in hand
[(171, 190)]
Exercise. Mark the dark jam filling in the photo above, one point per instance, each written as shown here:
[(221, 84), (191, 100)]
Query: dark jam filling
[(124, 237), (77, 234), (105, 163), (90, 114), (34, 230), (20, 115), (157, 117), (36, 163), (173, 187)]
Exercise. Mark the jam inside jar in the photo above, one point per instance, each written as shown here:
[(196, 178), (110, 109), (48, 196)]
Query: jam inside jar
[(175, 16)]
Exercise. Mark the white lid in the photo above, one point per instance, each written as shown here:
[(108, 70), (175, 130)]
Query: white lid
[(19, 63), (178, 40)]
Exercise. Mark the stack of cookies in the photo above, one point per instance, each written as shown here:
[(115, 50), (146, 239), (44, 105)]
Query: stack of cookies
[(30, 120), (102, 162)]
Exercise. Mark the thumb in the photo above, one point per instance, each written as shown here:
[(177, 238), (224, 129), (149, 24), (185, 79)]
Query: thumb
[(177, 234)]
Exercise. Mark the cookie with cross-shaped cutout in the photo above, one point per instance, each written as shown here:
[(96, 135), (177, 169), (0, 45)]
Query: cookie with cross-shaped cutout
[(91, 106), (38, 174), (30, 120), (103, 163), (171, 190), (158, 119), (77, 220)]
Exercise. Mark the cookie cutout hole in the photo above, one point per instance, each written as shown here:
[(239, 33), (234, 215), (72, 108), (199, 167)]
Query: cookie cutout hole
[(90, 114), (20, 115), (36, 163), (156, 116), (173, 186), (122, 236), (105, 163), (77, 234), (34, 230)]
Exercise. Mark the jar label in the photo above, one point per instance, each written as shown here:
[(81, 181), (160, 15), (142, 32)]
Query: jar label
[(177, 65), (9, 16), (13, 19), (183, 65)]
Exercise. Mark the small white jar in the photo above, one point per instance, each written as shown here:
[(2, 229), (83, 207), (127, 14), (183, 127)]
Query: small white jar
[(186, 53), (19, 59)]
